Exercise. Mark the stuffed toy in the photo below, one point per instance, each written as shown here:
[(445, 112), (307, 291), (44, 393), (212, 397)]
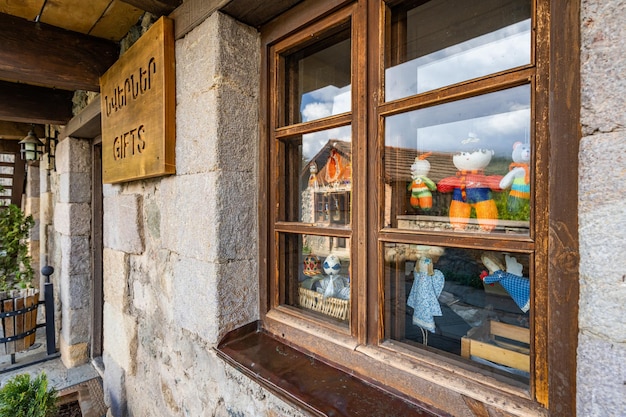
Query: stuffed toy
[(421, 186), (511, 280), (334, 285), (518, 178), (427, 287), (472, 188)]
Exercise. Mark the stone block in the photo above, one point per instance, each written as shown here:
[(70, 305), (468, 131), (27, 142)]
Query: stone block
[(73, 155), (601, 376), (115, 272), (123, 223), (223, 87), (72, 219), (76, 255), (144, 298), (73, 355), (196, 60), (114, 383), (46, 214), (120, 337), (34, 234), (603, 66), (226, 139), (32, 181), (75, 187), (225, 296), (195, 302), (44, 180), (187, 221), (31, 206), (599, 304), (109, 190), (75, 324), (75, 291), (215, 229), (601, 161)]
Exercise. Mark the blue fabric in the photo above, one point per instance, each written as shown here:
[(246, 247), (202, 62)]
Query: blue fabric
[(473, 195), (517, 287), (424, 298)]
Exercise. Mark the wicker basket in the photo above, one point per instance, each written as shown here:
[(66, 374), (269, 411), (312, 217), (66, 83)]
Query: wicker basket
[(334, 307)]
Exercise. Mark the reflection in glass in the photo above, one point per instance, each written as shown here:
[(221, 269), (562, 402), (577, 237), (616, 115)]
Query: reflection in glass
[(463, 165), (320, 164), (318, 80), (471, 303), (443, 42), (318, 275)]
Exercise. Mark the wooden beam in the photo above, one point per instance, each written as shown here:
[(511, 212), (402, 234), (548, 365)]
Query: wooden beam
[(86, 124), (156, 7), (31, 104), (40, 54), (256, 14), (17, 131)]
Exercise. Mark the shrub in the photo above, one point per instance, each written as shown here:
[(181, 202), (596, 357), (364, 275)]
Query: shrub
[(22, 396), (15, 262)]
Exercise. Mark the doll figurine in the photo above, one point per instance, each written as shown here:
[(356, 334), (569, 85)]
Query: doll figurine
[(472, 188), (334, 285), (421, 186), (424, 296), (518, 178), (511, 280)]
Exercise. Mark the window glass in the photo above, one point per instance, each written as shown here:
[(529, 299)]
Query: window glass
[(317, 275), (319, 167), (6, 170), (462, 166), (471, 303), (7, 157), (444, 42), (318, 80)]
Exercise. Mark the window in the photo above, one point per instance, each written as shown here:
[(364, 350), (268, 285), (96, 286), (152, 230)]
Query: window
[(407, 189)]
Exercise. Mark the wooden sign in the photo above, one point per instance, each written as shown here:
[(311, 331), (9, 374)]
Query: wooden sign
[(138, 103)]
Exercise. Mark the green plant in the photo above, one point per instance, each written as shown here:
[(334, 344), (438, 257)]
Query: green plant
[(22, 396), (15, 262)]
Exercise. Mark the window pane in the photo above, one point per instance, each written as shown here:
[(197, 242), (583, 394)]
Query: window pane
[(7, 157), (317, 275), (471, 303), (443, 42), (317, 80), (318, 167), (463, 165)]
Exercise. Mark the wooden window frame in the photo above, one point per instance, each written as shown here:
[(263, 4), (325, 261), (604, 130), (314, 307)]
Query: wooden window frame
[(555, 117)]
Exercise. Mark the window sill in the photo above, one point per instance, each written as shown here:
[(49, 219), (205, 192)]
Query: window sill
[(307, 382)]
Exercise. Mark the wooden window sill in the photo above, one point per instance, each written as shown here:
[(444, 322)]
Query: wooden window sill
[(307, 382)]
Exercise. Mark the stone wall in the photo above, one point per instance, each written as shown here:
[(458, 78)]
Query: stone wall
[(66, 222), (601, 374), (180, 252)]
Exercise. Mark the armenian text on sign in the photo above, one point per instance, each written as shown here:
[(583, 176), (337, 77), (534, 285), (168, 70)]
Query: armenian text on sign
[(137, 99)]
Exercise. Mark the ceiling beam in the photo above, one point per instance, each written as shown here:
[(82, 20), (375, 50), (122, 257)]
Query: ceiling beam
[(31, 104), (156, 7), (36, 53), (18, 131)]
